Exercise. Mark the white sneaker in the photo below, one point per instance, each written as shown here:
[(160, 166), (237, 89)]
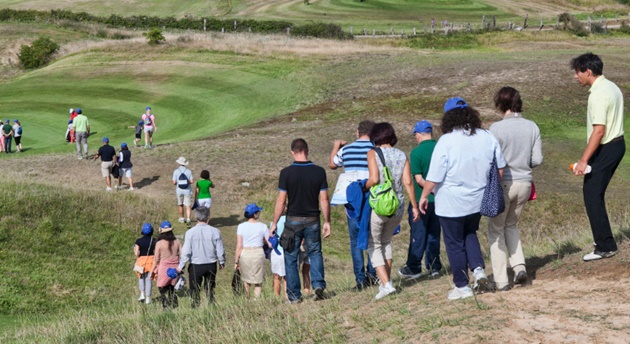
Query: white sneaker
[(385, 290), (131, 189), (188, 221), (595, 255), (481, 280), (460, 293), (108, 189), (147, 300), (180, 220), (141, 298), (118, 187)]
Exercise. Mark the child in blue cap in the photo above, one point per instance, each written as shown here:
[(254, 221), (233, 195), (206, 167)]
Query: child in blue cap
[(144, 249), (139, 128)]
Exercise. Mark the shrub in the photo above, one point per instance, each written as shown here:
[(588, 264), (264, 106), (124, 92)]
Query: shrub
[(598, 28), (321, 30), (571, 23), (624, 28), (154, 36), (119, 35), (38, 53)]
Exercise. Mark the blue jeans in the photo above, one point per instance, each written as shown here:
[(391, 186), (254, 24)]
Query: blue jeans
[(424, 241), (313, 245), (462, 246), (358, 264)]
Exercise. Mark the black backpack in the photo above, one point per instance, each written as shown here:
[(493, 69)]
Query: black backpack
[(182, 180)]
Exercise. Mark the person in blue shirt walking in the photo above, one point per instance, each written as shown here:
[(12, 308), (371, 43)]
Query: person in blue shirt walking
[(353, 157)]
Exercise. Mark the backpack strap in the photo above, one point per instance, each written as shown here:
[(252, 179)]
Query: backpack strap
[(386, 172), (380, 155)]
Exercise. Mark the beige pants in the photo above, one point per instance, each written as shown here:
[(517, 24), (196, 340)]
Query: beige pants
[(503, 233), (380, 239)]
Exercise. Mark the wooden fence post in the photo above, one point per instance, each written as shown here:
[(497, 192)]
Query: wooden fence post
[(494, 22), (351, 30), (204, 25), (483, 21), (364, 32), (525, 21), (235, 25), (414, 31), (588, 21), (468, 29), (288, 30), (373, 32)]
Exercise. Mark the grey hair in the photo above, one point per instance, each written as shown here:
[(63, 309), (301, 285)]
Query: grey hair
[(202, 214)]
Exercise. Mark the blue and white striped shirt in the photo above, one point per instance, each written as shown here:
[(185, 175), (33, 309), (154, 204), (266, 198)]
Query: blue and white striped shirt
[(353, 157)]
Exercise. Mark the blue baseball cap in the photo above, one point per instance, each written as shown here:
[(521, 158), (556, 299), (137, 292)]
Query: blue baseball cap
[(147, 229), (171, 273), (252, 209), (454, 103), (140, 122), (123, 145), (78, 111), (105, 139), (148, 108), (69, 121), (422, 127), (8, 120), (274, 240), (165, 226), (15, 121)]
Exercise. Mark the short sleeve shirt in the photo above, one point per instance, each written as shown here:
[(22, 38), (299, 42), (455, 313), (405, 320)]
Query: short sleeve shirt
[(204, 188), (15, 130), (146, 245), (7, 128), (188, 174), (144, 119), (419, 161), (605, 107), (253, 233), (303, 181), (80, 123), (107, 153)]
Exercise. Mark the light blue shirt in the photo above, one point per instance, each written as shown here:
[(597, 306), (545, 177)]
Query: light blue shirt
[(202, 245), (459, 166)]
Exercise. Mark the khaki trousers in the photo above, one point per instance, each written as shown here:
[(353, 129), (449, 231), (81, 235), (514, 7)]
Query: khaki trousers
[(503, 233), (380, 238)]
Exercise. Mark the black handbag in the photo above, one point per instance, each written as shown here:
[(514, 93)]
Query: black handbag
[(492, 203), (237, 283)]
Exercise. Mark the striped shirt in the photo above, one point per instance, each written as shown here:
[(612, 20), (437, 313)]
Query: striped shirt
[(353, 157)]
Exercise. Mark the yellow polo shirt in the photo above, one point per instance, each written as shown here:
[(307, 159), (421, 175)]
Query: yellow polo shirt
[(605, 107)]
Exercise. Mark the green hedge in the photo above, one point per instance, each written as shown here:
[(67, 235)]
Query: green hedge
[(38, 53)]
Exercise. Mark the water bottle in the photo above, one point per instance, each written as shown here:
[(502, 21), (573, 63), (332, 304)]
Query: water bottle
[(586, 171)]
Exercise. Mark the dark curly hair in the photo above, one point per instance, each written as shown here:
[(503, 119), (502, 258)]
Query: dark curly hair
[(458, 118), (383, 133)]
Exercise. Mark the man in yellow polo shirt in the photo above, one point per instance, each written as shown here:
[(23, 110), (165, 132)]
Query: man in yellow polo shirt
[(604, 150), (81, 127)]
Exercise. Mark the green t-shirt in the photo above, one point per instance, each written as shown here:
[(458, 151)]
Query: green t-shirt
[(7, 128), (80, 123), (204, 188), (419, 162)]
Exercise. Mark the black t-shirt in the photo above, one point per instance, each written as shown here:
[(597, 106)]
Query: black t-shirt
[(303, 181), (144, 243), (107, 153)]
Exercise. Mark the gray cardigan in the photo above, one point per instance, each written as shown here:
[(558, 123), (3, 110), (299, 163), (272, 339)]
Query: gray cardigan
[(521, 145)]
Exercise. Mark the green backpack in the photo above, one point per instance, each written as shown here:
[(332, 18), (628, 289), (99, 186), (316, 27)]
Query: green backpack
[(383, 199)]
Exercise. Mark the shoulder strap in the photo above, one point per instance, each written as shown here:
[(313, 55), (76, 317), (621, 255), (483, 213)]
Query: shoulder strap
[(380, 155), (386, 172)]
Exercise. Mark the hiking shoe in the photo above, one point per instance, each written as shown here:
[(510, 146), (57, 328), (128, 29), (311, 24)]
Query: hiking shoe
[(108, 189), (385, 290), (434, 274), (359, 287), (595, 255), (319, 294), (460, 293), (406, 272), (481, 280), (294, 302), (151, 146), (180, 220), (520, 277)]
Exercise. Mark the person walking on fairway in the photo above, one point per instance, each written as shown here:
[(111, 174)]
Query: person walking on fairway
[(139, 128), (148, 120), (204, 249), (183, 179), (81, 127), (17, 134), (107, 154), (303, 186), (353, 158), (424, 240), (7, 135), (604, 149), (124, 161)]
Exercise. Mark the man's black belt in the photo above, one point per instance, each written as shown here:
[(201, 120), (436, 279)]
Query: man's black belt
[(618, 138), (303, 218)]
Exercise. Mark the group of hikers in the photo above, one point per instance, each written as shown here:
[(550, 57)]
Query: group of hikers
[(10, 133), (446, 181)]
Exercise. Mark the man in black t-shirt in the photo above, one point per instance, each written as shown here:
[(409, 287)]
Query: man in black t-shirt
[(107, 154), (304, 188)]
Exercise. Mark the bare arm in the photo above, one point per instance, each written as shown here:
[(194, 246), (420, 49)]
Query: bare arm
[(411, 191), (336, 147), (373, 169), (424, 199), (239, 250), (156, 258), (325, 205), (136, 250), (277, 211), (591, 147), (420, 180)]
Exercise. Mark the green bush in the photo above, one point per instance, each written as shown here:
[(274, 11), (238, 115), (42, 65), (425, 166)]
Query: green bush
[(37, 54), (154, 36), (624, 28), (320, 30)]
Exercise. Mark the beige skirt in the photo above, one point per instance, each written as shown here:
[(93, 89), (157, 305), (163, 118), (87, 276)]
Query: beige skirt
[(252, 263)]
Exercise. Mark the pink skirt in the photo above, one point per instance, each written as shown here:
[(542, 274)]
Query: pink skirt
[(162, 278)]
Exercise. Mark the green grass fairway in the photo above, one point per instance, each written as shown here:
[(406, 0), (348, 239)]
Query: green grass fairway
[(194, 94)]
